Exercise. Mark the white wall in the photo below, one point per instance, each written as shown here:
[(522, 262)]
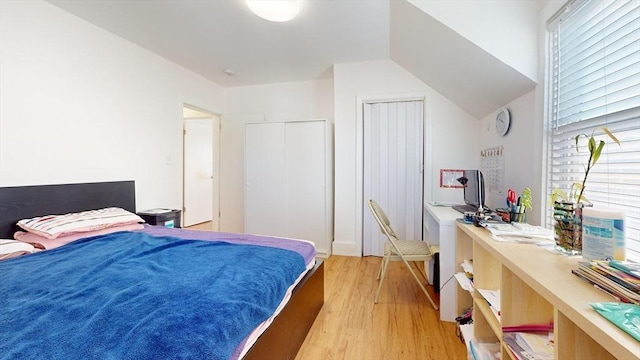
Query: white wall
[(79, 104), (492, 24), (272, 102), (520, 155), (525, 156), (450, 137)]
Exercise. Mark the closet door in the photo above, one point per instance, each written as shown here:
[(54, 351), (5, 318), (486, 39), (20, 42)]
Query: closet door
[(305, 182), (393, 158), (265, 179)]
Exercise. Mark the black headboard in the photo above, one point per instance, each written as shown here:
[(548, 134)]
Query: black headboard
[(20, 202)]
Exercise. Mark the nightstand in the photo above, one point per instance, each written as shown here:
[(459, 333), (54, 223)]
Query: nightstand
[(161, 217)]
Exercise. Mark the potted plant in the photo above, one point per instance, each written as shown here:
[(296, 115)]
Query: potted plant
[(567, 207)]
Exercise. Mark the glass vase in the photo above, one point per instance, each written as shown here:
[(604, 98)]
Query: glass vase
[(568, 227)]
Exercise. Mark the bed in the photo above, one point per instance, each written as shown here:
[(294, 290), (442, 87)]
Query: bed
[(183, 322)]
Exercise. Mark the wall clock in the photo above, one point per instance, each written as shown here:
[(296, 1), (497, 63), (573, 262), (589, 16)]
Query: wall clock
[(503, 121)]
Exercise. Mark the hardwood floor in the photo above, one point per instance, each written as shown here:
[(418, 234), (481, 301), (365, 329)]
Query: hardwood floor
[(403, 325), (203, 226)]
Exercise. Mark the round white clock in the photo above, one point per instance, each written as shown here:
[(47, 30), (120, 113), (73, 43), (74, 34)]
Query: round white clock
[(503, 121)]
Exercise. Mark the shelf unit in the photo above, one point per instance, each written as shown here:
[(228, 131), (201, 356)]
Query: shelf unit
[(537, 287), (463, 252)]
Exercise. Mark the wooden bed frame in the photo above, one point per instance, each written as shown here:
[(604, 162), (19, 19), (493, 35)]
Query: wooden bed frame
[(281, 340)]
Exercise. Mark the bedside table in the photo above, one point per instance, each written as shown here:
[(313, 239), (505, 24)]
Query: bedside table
[(161, 217)]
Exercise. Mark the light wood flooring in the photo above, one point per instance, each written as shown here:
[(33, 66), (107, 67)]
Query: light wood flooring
[(202, 226), (403, 325)]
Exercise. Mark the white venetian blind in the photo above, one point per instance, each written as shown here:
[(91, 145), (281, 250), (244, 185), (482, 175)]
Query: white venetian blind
[(594, 78)]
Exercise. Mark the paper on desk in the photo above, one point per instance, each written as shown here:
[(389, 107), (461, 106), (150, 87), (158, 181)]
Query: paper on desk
[(493, 298), (522, 233), (464, 281), (443, 203), (536, 344), (467, 266), (530, 346)]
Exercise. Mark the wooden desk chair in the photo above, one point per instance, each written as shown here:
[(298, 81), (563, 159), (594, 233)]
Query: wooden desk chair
[(400, 250)]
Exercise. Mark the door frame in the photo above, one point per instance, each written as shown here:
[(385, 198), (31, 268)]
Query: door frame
[(427, 156), (216, 118)]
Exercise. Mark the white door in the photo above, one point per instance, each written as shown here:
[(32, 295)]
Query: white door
[(265, 179), (198, 171), (392, 172), (305, 188)]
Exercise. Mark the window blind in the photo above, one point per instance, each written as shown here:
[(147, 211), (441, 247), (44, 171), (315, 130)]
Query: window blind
[(594, 82)]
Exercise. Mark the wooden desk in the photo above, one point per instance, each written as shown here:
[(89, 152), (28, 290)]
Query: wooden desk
[(537, 286)]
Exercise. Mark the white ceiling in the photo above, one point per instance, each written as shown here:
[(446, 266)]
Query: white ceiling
[(210, 36)]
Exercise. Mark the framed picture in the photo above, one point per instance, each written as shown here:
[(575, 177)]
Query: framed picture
[(448, 178)]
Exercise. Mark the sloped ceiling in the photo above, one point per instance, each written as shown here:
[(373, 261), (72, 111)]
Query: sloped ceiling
[(208, 37), (458, 69)]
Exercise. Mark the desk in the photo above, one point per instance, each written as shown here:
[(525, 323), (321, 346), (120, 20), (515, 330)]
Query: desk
[(439, 225), (537, 287)]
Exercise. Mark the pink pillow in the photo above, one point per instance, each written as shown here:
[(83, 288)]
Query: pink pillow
[(53, 226), (49, 244)]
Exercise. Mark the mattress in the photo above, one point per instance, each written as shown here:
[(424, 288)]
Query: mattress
[(153, 293), (304, 247)]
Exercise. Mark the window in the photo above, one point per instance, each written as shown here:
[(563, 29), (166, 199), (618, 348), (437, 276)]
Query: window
[(594, 81)]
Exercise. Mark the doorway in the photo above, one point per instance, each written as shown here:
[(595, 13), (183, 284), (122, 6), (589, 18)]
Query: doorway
[(201, 169), (393, 153)]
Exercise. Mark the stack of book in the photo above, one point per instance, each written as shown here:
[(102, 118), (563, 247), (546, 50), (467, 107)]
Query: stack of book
[(526, 345), (484, 351), (620, 279)]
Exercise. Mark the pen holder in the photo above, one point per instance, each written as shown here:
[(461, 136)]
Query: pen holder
[(518, 216), (505, 214)]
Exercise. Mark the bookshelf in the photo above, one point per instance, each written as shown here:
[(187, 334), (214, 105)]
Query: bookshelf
[(463, 252), (537, 287)]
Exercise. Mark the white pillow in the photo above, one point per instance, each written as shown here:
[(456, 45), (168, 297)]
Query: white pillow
[(13, 248), (52, 226)]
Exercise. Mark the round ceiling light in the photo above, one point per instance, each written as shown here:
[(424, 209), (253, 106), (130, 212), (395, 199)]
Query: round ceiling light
[(275, 10)]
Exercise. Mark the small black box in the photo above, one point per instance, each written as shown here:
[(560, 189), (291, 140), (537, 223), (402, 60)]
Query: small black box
[(161, 217)]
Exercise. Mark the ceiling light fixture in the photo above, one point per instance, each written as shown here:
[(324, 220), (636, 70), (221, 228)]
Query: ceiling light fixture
[(275, 10)]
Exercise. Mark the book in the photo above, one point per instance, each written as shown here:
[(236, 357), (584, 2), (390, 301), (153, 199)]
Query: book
[(530, 345), (536, 344), (630, 268), (608, 284), (617, 275), (586, 272)]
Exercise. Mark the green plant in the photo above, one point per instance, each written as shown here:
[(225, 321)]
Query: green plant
[(575, 195)]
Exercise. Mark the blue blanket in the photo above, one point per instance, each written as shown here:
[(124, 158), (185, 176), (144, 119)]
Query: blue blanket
[(129, 295)]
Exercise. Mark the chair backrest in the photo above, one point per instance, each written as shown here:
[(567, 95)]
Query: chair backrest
[(385, 225), (382, 219)]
